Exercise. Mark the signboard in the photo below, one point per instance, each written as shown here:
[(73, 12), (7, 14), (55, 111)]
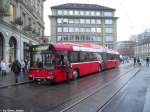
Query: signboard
[(40, 48)]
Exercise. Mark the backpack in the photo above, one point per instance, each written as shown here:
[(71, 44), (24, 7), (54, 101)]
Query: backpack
[(17, 68)]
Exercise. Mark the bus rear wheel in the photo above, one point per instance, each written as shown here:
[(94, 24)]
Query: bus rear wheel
[(75, 74)]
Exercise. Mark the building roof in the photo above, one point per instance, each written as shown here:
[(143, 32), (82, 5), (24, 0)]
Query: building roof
[(82, 6)]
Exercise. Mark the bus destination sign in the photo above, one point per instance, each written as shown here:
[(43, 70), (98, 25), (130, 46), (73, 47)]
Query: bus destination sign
[(40, 48)]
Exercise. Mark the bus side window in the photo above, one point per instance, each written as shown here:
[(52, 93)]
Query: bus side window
[(82, 56), (98, 57), (74, 56)]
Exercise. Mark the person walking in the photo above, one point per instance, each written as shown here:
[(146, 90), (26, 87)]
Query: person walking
[(23, 66), (134, 61), (26, 65), (0, 68), (147, 61), (3, 68), (16, 68), (139, 62)]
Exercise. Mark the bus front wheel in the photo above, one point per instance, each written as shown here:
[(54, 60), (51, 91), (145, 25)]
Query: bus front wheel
[(75, 74)]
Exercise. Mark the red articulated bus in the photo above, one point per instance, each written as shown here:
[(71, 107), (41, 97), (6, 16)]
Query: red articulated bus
[(85, 59)]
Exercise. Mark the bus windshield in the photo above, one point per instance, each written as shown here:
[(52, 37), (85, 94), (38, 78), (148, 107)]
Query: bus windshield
[(43, 60)]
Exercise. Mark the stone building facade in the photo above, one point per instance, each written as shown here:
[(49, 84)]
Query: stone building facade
[(21, 24), (142, 48)]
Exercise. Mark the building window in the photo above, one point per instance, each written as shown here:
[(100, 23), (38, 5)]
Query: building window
[(82, 37), (87, 13), (65, 29), (98, 13), (93, 30), (87, 38), (76, 37), (59, 29), (71, 38), (71, 29), (82, 29), (64, 38), (108, 30), (110, 46), (70, 12), (29, 21), (59, 20), (76, 12), (77, 30), (98, 21), (13, 49), (59, 38), (59, 12), (87, 21), (65, 12), (93, 21), (26, 49), (76, 21), (88, 29), (81, 12), (108, 21), (108, 14), (24, 19), (98, 30), (12, 10), (71, 21), (99, 38), (82, 21), (65, 21), (92, 13), (108, 38)]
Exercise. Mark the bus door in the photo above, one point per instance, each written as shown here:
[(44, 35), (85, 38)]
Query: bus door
[(110, 60), (104, 60)]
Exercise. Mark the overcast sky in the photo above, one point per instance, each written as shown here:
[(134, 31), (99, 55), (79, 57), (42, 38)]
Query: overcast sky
[(134, 16)]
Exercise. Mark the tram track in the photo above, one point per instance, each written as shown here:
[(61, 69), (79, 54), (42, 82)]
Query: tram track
[(101, 108), (80, 98)]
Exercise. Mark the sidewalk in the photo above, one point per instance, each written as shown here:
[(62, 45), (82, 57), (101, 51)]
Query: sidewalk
[(9, 80)]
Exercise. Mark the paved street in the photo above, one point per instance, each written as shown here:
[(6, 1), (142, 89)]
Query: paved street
[(124, 89)]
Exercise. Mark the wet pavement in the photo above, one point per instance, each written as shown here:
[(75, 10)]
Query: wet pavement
[(97, 92), (134, 97), (9, 79)]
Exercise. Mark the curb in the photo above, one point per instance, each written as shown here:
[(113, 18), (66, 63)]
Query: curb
[(15, 84)]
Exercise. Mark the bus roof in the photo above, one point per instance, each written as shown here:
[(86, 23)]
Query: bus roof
[(78, 47), (68, 46)]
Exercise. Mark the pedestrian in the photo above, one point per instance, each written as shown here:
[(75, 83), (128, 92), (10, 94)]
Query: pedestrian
[(147, 61), (23, 66), (134, 61), (26, 64), (0, 68), (139, 62), (16, 68), (65, 63), (3, 68)]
